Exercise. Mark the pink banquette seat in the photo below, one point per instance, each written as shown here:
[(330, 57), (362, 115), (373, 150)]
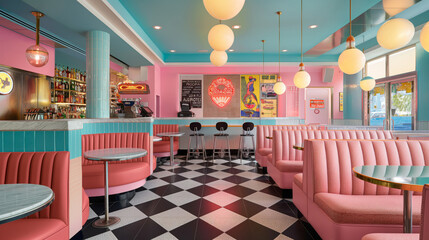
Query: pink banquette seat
[(285, 161), (264, 145), (162, 148), (341, 206), (45, 168), (123, 175)]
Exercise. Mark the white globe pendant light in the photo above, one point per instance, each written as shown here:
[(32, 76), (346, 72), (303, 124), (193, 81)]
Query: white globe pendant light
[(351, 60), (301, 79), (395, 33), (223, 9), (367, 83), (393, 7), (424, 37), (221, 37), (279, 87), (218, 58)]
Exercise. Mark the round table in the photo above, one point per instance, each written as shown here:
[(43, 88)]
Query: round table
[(171, 135), (406, 178), (21, 200), (106, 155), (156, 139)]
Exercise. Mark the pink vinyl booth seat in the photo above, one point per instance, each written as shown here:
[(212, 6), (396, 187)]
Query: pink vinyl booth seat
[(162, 148), (45, 168), (341, 206), (264, 145), (285, 161), (123, 175), (424, 225)]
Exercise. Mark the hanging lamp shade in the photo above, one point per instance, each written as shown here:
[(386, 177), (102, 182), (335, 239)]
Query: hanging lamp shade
[(223, 9), (367, 83), (302, 78), (37, 55), (352, 60), (218, 58), (393, 7), (221, 37), (279, 87), (395, 33), (424, 37)]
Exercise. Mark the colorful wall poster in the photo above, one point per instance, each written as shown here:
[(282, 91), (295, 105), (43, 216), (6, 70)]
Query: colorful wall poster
[(317, 103), (268, 107), (341, 97), (267, 86), (249, 95)]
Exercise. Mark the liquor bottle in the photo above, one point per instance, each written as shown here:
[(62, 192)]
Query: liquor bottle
[(64, 72)]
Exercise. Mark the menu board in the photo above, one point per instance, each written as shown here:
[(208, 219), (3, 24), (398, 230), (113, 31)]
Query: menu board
[(191, 92)]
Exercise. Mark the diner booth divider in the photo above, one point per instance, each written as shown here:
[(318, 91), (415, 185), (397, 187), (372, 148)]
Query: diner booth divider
[(66, 135)]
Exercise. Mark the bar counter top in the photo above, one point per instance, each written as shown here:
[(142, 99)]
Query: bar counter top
[(62, 124)]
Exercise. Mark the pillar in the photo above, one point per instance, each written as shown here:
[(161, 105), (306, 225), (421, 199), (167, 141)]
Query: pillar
[(352, 99), (98, 74)]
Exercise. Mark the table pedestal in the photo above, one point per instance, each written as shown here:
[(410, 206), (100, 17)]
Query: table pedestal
[(408, 211), (106, 221), (172, 163)]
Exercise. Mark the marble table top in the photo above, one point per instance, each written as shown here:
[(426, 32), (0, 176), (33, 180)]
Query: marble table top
[(170, 134), (156, 139), (115, 154), (21, 200)]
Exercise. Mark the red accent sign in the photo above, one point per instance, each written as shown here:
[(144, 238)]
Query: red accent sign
[(133, 88), (221, 91), (317, 103)]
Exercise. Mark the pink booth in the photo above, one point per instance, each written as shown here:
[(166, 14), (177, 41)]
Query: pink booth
[(162, 148), (341, 206)]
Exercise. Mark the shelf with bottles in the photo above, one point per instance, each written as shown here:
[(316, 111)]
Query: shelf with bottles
[(67, 73), (68, 97), (55, 112), (65, 85)]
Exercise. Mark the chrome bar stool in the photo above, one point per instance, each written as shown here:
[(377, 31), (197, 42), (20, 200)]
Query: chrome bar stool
[(247, 132), (221, 127), (199, 139)]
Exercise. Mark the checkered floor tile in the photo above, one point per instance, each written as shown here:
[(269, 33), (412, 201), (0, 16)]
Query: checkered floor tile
[(203, 200)]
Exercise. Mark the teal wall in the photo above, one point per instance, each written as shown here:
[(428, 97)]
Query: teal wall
[(69, 58), (41, 141), (352, 97), (422, 67)]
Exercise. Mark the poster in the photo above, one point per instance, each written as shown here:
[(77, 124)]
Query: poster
[(317, 103), (249, 105), (341, 97), (267, 86), (191, 92), (268, 107)]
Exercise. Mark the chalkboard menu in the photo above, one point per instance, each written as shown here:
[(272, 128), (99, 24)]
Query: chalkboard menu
[(191, 92)]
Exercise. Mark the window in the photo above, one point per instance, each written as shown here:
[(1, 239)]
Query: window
[(376, 68), (402, 62)]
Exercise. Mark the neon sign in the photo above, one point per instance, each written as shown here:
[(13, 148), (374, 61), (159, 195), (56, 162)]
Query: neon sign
[(6, 83), (133, 88), (221, 91)]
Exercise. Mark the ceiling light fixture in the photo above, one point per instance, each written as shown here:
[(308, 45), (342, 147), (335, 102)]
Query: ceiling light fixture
[(393, 7), (236, 27), (37, 55), (221, 37), (231, 50), (367, 83), (424, 37), (313, 26), (157, 27), (284, 50), (395, 33), (218, 58), (279, 86), (172, 51), (351, 60), (223, 9), (301, 79)]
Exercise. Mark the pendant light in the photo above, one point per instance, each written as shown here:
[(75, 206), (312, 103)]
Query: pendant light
[(218, 58), (223, 9), (393, 7), (367, 83), (424, 37), (263, 57), (221, 37), (395, 33), (302, 78), (279, 86), (37, 55), (351, 60)]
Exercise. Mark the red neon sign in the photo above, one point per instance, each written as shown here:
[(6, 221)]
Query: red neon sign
[(317, 103), (221, 91), (133, 88)]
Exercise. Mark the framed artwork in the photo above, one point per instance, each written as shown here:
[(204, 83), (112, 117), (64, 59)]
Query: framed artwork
[(341, 101)]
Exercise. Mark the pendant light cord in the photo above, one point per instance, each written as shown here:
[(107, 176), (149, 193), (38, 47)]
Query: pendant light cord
[(279, 13), (301, 33), (263, 57), (350, 17), (37, 29)]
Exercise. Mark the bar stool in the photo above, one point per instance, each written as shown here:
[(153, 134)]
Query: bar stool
[(221, 127), (199, 137), (247, 132)]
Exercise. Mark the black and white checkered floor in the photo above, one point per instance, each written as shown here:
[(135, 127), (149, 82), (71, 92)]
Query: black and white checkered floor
[(203, 200)]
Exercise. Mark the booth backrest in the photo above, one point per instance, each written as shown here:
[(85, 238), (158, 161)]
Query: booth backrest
[(115, 140), (330, 163), (424, 225), (263, 131), (162, 128), (284, 140), (50, 169)]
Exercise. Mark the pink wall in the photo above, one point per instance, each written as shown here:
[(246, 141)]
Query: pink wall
[(170, 80), (115, 66), (12, 49)]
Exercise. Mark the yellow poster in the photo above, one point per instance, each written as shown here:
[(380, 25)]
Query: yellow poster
[(249, 95), (268, 107)]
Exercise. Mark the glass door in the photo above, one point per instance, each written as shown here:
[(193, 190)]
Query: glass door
[(401, 106), (377, 106)]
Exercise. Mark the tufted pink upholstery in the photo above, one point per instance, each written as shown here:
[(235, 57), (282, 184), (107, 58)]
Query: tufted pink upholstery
[(341, 206), (264, 145), (286, 161), (162, 148)]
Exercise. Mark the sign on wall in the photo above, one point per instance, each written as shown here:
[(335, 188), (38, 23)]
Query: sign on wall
[(191, 92), (221, 96), (268, 96), (317, 103), (249, 96), (268, 107), (341, 100), (221, 91), (6, 83)]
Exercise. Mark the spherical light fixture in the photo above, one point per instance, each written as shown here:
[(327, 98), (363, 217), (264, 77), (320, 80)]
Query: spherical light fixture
[(218, 58), (223, 9), (367, 83), (352, 60), (395, 33), (279, 87), (221, 37), (301, 79), (424, 37), (393, 7), (37, 55)]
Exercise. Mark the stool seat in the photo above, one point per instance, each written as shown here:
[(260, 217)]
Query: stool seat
[(247, 135), (196, 134), (221, 127), (199, 141), (247, 128), (221, 134)]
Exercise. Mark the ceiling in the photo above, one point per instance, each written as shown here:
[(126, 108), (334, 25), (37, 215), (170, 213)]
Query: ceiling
[(186, 23)]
